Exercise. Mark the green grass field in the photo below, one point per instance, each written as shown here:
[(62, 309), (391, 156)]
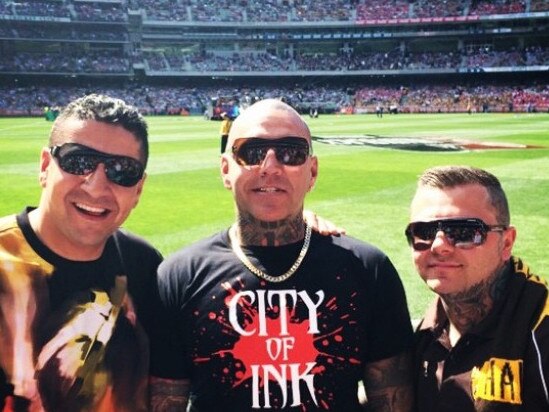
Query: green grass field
[(367, 190)]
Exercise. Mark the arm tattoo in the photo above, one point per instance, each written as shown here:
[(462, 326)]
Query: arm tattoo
[(168, 395), (388, 384)]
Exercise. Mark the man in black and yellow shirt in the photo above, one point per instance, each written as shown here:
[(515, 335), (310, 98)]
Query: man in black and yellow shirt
[(73, 286), (484, 343)]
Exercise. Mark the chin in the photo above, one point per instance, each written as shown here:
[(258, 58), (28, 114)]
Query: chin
[(270, 216), (442, 289), (436, 285)]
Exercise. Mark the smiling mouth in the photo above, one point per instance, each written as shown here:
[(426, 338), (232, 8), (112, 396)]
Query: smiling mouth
[(267, 190), (445, 266), (90, 210)]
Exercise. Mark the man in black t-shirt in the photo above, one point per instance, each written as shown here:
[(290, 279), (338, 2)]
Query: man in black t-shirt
[(74, 288), (267, 315)]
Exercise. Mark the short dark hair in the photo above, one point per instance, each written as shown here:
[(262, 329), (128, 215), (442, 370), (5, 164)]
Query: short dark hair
[(109, 110), (451, 176)]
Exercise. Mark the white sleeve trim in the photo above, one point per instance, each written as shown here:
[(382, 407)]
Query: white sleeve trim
[(540, 366)]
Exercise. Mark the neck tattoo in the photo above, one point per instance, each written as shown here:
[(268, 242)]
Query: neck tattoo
[(235, 244), (468, 308)]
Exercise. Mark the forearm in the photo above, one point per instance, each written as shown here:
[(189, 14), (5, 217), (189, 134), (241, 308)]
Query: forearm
[(168, 395), (389, 385)]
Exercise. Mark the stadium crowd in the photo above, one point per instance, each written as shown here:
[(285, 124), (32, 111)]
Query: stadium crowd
[(350, 60), (37, 8), (74, 60), (66, 61), (166, 100), (112, 53), (62, 33), (107, 12), (120, 58), (267, 10)]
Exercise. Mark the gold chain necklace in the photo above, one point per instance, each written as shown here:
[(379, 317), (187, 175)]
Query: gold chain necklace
[(259, 273)]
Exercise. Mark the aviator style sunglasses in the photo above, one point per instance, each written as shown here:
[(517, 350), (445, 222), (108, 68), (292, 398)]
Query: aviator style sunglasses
[(78, 159), (461, 233), (289, 151)]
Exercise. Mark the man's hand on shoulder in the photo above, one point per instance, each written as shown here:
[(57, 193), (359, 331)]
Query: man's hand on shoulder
[(323, 226)]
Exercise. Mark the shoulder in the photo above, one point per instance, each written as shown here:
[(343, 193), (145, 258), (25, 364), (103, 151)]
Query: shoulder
[(128, 241), (364, 260), (13, 242), (353, 247), (137, 253), (353, 243), (540, 345), (196, 253), (7, 224), (533, 291), (533, 298), (189, 267), (140, 262), (542, 323), (201, 248)]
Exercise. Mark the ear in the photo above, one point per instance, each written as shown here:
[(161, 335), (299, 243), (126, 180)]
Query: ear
[(225, 176), (314, 172), (509, 237), (45, 160)]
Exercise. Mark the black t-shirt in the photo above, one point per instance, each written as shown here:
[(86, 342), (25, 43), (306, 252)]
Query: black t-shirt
[(57, 315), (301, 344), (133, 257)]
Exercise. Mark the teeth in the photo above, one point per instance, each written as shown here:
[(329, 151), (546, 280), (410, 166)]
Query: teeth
[(91, 209), (268, 189)]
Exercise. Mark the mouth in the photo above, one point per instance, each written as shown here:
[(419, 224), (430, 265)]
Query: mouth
[(91, 210), (444, 265), (267, 190)]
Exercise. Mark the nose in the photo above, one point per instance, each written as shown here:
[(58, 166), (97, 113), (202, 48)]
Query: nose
[(441, 244), (270, 163), (97, 180)]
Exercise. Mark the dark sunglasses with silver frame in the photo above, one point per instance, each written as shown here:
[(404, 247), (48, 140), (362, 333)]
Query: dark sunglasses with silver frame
[(289, 151), (464, 233), (81, 160)]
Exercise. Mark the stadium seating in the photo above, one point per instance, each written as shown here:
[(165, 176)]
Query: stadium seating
[(433, 54), (413, 99)]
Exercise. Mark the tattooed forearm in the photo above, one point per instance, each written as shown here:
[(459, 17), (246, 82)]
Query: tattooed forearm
[(388, 384), (168, 395)]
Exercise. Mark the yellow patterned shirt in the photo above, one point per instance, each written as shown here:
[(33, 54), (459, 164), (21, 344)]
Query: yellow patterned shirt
[(70, 336)]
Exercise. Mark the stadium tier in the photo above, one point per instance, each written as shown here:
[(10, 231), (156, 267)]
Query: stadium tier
[(333, 55)]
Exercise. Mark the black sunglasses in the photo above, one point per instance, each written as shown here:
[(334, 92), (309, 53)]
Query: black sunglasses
[(289, 151), (81, 160), (461, 233)]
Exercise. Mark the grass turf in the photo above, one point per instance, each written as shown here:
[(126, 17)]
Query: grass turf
[(365, 189)]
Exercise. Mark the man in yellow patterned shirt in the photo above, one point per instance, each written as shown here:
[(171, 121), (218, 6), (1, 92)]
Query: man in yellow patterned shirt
[(73, 285)]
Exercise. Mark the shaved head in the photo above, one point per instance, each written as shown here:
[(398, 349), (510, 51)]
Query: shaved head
[(268, 118)]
